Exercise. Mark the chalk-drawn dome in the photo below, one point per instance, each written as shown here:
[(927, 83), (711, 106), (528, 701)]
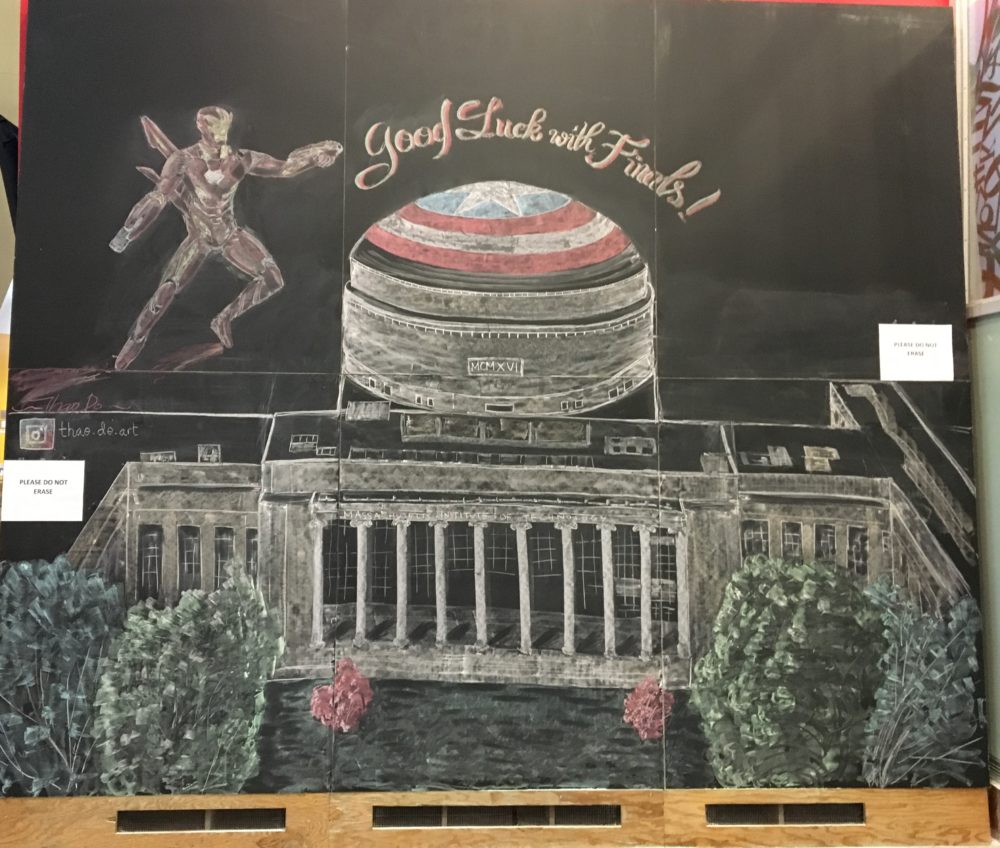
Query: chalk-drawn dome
[(502, 297)]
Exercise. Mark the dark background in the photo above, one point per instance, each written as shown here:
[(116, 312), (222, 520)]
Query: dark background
[(832, 132)]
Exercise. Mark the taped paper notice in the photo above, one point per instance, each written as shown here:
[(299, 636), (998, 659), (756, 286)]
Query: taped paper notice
[(42, 490), (916, 352)]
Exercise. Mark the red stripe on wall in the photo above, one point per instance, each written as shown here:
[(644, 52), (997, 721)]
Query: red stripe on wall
[(568, 217), (514, 264)]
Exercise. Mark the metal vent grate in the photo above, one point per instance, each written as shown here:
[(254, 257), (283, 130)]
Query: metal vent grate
[(742, 815), (160, 821), (529, 815)]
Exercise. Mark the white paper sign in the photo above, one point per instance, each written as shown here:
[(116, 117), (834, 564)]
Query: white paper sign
[(42, 490), (916, 352)]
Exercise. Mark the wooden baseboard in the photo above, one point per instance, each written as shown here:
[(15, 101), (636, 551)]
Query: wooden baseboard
[(672, 818)]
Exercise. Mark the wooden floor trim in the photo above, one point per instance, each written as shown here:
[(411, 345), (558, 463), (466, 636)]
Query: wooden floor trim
[(926, 817)]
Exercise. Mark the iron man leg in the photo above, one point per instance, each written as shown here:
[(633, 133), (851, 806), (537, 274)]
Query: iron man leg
[(245, 253), (180, 270)]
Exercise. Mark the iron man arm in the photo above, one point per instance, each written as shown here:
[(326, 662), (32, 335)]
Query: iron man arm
[(320, 155), (149, 207)]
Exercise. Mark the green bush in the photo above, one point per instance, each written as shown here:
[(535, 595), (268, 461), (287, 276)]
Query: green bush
[(790, 677), (179, 709), (56, 624), (925, 729)]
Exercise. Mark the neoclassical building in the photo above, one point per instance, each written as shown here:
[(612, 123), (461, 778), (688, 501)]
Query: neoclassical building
[(477, 508)]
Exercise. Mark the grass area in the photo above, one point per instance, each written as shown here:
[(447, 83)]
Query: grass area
[(419, 735)]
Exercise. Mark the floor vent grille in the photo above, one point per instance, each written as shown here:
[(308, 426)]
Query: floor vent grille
[(778, 815), (160, 821), (533, 815)]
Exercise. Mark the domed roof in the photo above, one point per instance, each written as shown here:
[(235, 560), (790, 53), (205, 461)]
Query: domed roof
[(498, 233)]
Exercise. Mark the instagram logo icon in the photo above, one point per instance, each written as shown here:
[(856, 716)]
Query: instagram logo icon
[(37, 433)]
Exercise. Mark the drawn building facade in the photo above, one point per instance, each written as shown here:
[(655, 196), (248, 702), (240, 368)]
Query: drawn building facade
[(464, 514)]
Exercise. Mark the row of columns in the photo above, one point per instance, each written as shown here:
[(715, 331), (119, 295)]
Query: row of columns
[(566, 528)]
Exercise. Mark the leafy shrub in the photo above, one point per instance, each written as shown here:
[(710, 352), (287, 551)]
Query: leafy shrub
[(56, 623), (647, 709), (925, 729), (179, 709), (790, 678), (341, 704)]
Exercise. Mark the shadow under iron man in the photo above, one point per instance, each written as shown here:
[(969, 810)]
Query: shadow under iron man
[(201, 181)]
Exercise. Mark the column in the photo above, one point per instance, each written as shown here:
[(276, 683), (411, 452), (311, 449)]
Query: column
[(608, 574), (479, 563), (316, 526), (402, 575), (566, 527), (523, 583), (363, 527), (683, 596), (645, 593), (440, 584)]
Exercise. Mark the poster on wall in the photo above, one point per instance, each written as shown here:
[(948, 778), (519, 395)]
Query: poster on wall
[(574, 399)]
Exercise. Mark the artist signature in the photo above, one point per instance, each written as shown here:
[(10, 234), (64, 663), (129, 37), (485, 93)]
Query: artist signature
[(55, 404)]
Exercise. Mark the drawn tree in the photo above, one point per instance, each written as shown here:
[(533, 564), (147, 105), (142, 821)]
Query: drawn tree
[(342, 704), (790, 678), (926, 729), (56, 625), (180, 707)]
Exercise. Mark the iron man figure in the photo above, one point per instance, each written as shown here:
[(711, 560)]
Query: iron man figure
[(201, 181)]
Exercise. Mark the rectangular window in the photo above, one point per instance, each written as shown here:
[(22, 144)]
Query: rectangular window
[(252, 553), (150, 560), (664, 577), (826, 543), (340, 563), (459, 548), (626, 554), (225, 553), (791, 541), (383, 542), (501, 549), (857, 550), (754, 538), (189, 553), (589, 575), (545, 565), (421, 544)]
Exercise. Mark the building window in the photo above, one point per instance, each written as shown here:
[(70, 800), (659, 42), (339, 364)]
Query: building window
[(626, 553), (791, 541), (589, 575), (340, 563), (664, 577), (501, 549), (303, 443), (460, 565), (252, 553), (225, 553), (383, 557), (826, 543), (150, 560), (546, 564), (421, 563), (503, 590), (189, 552), (755, 540), (857, 550), (629, 445)]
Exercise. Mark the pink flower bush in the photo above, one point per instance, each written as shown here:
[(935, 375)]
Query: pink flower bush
[(341, 704), (647, 708)]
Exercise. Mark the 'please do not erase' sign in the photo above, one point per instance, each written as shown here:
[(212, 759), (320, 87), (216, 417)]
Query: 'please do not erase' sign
[(916, 352), (42, 490)]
